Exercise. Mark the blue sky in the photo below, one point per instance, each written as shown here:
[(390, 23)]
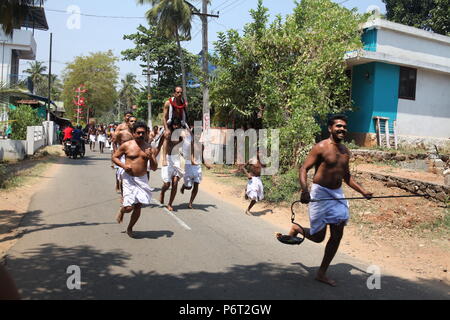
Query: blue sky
[(100, 34)]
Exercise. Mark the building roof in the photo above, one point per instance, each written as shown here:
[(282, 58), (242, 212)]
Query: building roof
[(379, 23), (36, 19)]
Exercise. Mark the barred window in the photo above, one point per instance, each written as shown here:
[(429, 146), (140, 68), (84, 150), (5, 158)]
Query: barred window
[(408, 79)]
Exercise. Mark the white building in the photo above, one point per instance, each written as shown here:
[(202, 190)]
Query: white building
[(21, 45), (402, 74)]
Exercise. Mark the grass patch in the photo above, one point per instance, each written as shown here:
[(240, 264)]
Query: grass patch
[(282, 187), (17, 179)]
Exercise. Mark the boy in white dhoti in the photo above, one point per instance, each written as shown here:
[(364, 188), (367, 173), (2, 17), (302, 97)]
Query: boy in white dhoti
[(331, 160), (255, 190), (136, 191)]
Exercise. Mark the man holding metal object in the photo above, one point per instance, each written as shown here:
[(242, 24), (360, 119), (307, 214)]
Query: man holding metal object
[(331, 161)]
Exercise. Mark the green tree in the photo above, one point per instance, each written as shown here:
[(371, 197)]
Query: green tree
[(99, 74), (292, 72), (235, 86), (431, 15), (36, 70), (173, 19), (22, 117), (128, 91), (164, 63)]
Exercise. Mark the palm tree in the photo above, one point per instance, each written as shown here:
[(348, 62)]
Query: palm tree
[(128, 92), (36, 71), (173, 20)]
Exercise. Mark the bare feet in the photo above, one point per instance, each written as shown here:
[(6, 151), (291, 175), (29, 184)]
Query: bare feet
[(130, 233), (119, 217), (190, 206), (247, 212), (169, 207), (324, 279)]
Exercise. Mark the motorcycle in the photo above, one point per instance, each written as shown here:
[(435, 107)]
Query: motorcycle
[(75, 149)]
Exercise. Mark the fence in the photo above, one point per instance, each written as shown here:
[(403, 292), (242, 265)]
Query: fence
[(35, 139)]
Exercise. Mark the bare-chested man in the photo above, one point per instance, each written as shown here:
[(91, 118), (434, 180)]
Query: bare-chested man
[(192, 153), (136, 191), (175, 107), (171, 163), (121, 136), (331, 161), (255, 189)]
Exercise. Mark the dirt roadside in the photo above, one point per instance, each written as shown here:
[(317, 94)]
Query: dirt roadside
[(380, 232), (32, 175)]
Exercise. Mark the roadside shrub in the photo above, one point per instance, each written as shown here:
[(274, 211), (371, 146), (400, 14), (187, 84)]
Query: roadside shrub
[(21, 118), (282, 187)]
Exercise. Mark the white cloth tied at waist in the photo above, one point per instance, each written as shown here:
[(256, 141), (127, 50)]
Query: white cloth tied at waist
[(327, 212), (136, 190), (255, 189)]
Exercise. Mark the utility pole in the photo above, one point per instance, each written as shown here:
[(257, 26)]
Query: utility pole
[(50, 77), (149, 97), (205, 66)]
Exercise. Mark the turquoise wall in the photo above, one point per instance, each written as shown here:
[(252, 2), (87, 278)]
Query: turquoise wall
[(369, 39), (374, 93)]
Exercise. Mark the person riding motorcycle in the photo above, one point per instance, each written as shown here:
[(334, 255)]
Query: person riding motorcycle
[(77, 137)]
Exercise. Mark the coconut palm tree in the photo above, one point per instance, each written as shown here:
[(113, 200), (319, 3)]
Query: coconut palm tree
[(173, 20), (128, 92), (36, 71)]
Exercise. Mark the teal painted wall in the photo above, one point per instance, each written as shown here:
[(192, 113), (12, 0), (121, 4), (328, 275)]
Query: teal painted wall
[(374, 93), (369, 39)]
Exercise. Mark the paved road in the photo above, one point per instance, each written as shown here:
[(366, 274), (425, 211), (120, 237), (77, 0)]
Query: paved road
[(212, 252)]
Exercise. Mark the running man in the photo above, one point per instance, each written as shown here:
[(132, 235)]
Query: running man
[(331, 161), (255, 189), (171, 164), (192, 153), (92, 137), (119, 138), (136, 191), (101, 137)]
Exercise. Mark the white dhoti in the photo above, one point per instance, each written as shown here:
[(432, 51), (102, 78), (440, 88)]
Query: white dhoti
[(136, 190), (92, 137), (255, 189), (173, 169), (120, 170), (327, 212), (192, 174), (102, 138)]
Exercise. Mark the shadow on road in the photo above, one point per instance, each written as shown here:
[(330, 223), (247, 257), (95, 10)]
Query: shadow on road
[(40, 273), (152, 234)]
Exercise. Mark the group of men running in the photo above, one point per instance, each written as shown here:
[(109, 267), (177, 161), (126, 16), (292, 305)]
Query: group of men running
[(135, 154), (136, 150)]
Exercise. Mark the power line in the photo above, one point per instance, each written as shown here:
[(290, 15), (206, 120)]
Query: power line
[(221, 5), (94, 15), (234, 4)]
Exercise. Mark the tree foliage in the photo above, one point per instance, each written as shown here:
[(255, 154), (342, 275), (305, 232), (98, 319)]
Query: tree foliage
[(290, 73), (22, 117), (165, 68), (431, 15), (99, 74), (36, 70)]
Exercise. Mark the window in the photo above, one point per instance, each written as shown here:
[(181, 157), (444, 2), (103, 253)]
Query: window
[(408, 79)]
